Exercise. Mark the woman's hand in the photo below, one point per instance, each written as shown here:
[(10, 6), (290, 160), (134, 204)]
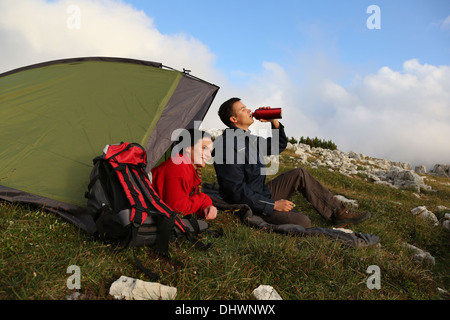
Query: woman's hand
[(210, 213)]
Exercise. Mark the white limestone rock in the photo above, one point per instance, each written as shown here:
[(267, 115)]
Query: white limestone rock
[(134, 289), (423, 212), (421, 256), (265, 292), (347, 202)]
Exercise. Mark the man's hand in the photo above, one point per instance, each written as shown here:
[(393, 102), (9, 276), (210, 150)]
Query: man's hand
[(275, 122), (283, 205), (210, 213)]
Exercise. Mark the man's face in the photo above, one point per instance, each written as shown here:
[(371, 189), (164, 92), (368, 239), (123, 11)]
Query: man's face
[(242, 116)]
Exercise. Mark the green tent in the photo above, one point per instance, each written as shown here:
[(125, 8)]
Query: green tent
[(57, 116)]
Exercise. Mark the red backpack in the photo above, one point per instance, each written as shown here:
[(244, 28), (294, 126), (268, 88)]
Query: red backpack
[(128, 211)]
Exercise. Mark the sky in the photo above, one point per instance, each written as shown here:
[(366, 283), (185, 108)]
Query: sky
[(373, 76)]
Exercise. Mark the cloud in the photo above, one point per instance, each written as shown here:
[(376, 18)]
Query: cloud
[(446, 24), (273, 87), (33, 31), (400, 115)]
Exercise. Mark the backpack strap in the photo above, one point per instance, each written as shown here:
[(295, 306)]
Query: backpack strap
[(194, 223), (150, 274), (161, 205), (167, 217)]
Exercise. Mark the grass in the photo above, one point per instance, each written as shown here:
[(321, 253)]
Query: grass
[(37, 247)]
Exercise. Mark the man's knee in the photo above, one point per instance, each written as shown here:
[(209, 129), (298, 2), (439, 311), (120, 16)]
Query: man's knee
[(297, 175), (300, 171)]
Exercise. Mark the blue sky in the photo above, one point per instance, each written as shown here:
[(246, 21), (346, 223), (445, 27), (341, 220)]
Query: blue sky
[(381, 92), (316, 42), (243, 34)]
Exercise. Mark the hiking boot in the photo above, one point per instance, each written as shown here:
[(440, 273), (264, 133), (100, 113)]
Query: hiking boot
[(344, 216)]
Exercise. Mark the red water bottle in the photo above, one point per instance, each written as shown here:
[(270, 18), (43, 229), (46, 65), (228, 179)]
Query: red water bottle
[(271, 113)]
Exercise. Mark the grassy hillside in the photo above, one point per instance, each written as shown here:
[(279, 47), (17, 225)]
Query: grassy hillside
[(37, 247)]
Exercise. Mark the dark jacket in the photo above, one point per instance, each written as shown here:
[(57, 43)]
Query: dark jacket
[(239, 164)]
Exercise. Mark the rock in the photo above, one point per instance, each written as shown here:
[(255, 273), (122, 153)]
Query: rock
[(354, 155), (446, 225), (344, 230), (272, 158), (77, 296), (403, 165), (346, 201), (420, 256), (443, 292), (441, 170), (135, 289), (214, 132), (446, 222), (442, 208), (372, 176), (385, 183), (302, 157), (403, 178), (422, 211), (420, 169), (306, 147), (265, 292)]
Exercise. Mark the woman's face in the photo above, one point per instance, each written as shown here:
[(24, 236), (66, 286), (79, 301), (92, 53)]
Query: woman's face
[(200, 152)]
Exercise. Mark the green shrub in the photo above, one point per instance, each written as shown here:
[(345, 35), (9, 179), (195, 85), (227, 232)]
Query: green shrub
[(318, 143)]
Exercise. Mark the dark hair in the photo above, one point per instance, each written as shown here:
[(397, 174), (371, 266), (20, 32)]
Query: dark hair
[(189, 137), (226, 111)]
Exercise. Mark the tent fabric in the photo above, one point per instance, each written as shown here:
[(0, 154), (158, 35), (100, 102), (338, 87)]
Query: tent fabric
[(178, 114), (57, 116)]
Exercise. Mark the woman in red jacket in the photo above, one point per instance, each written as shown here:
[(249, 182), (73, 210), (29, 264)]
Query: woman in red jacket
[(176, 179)]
